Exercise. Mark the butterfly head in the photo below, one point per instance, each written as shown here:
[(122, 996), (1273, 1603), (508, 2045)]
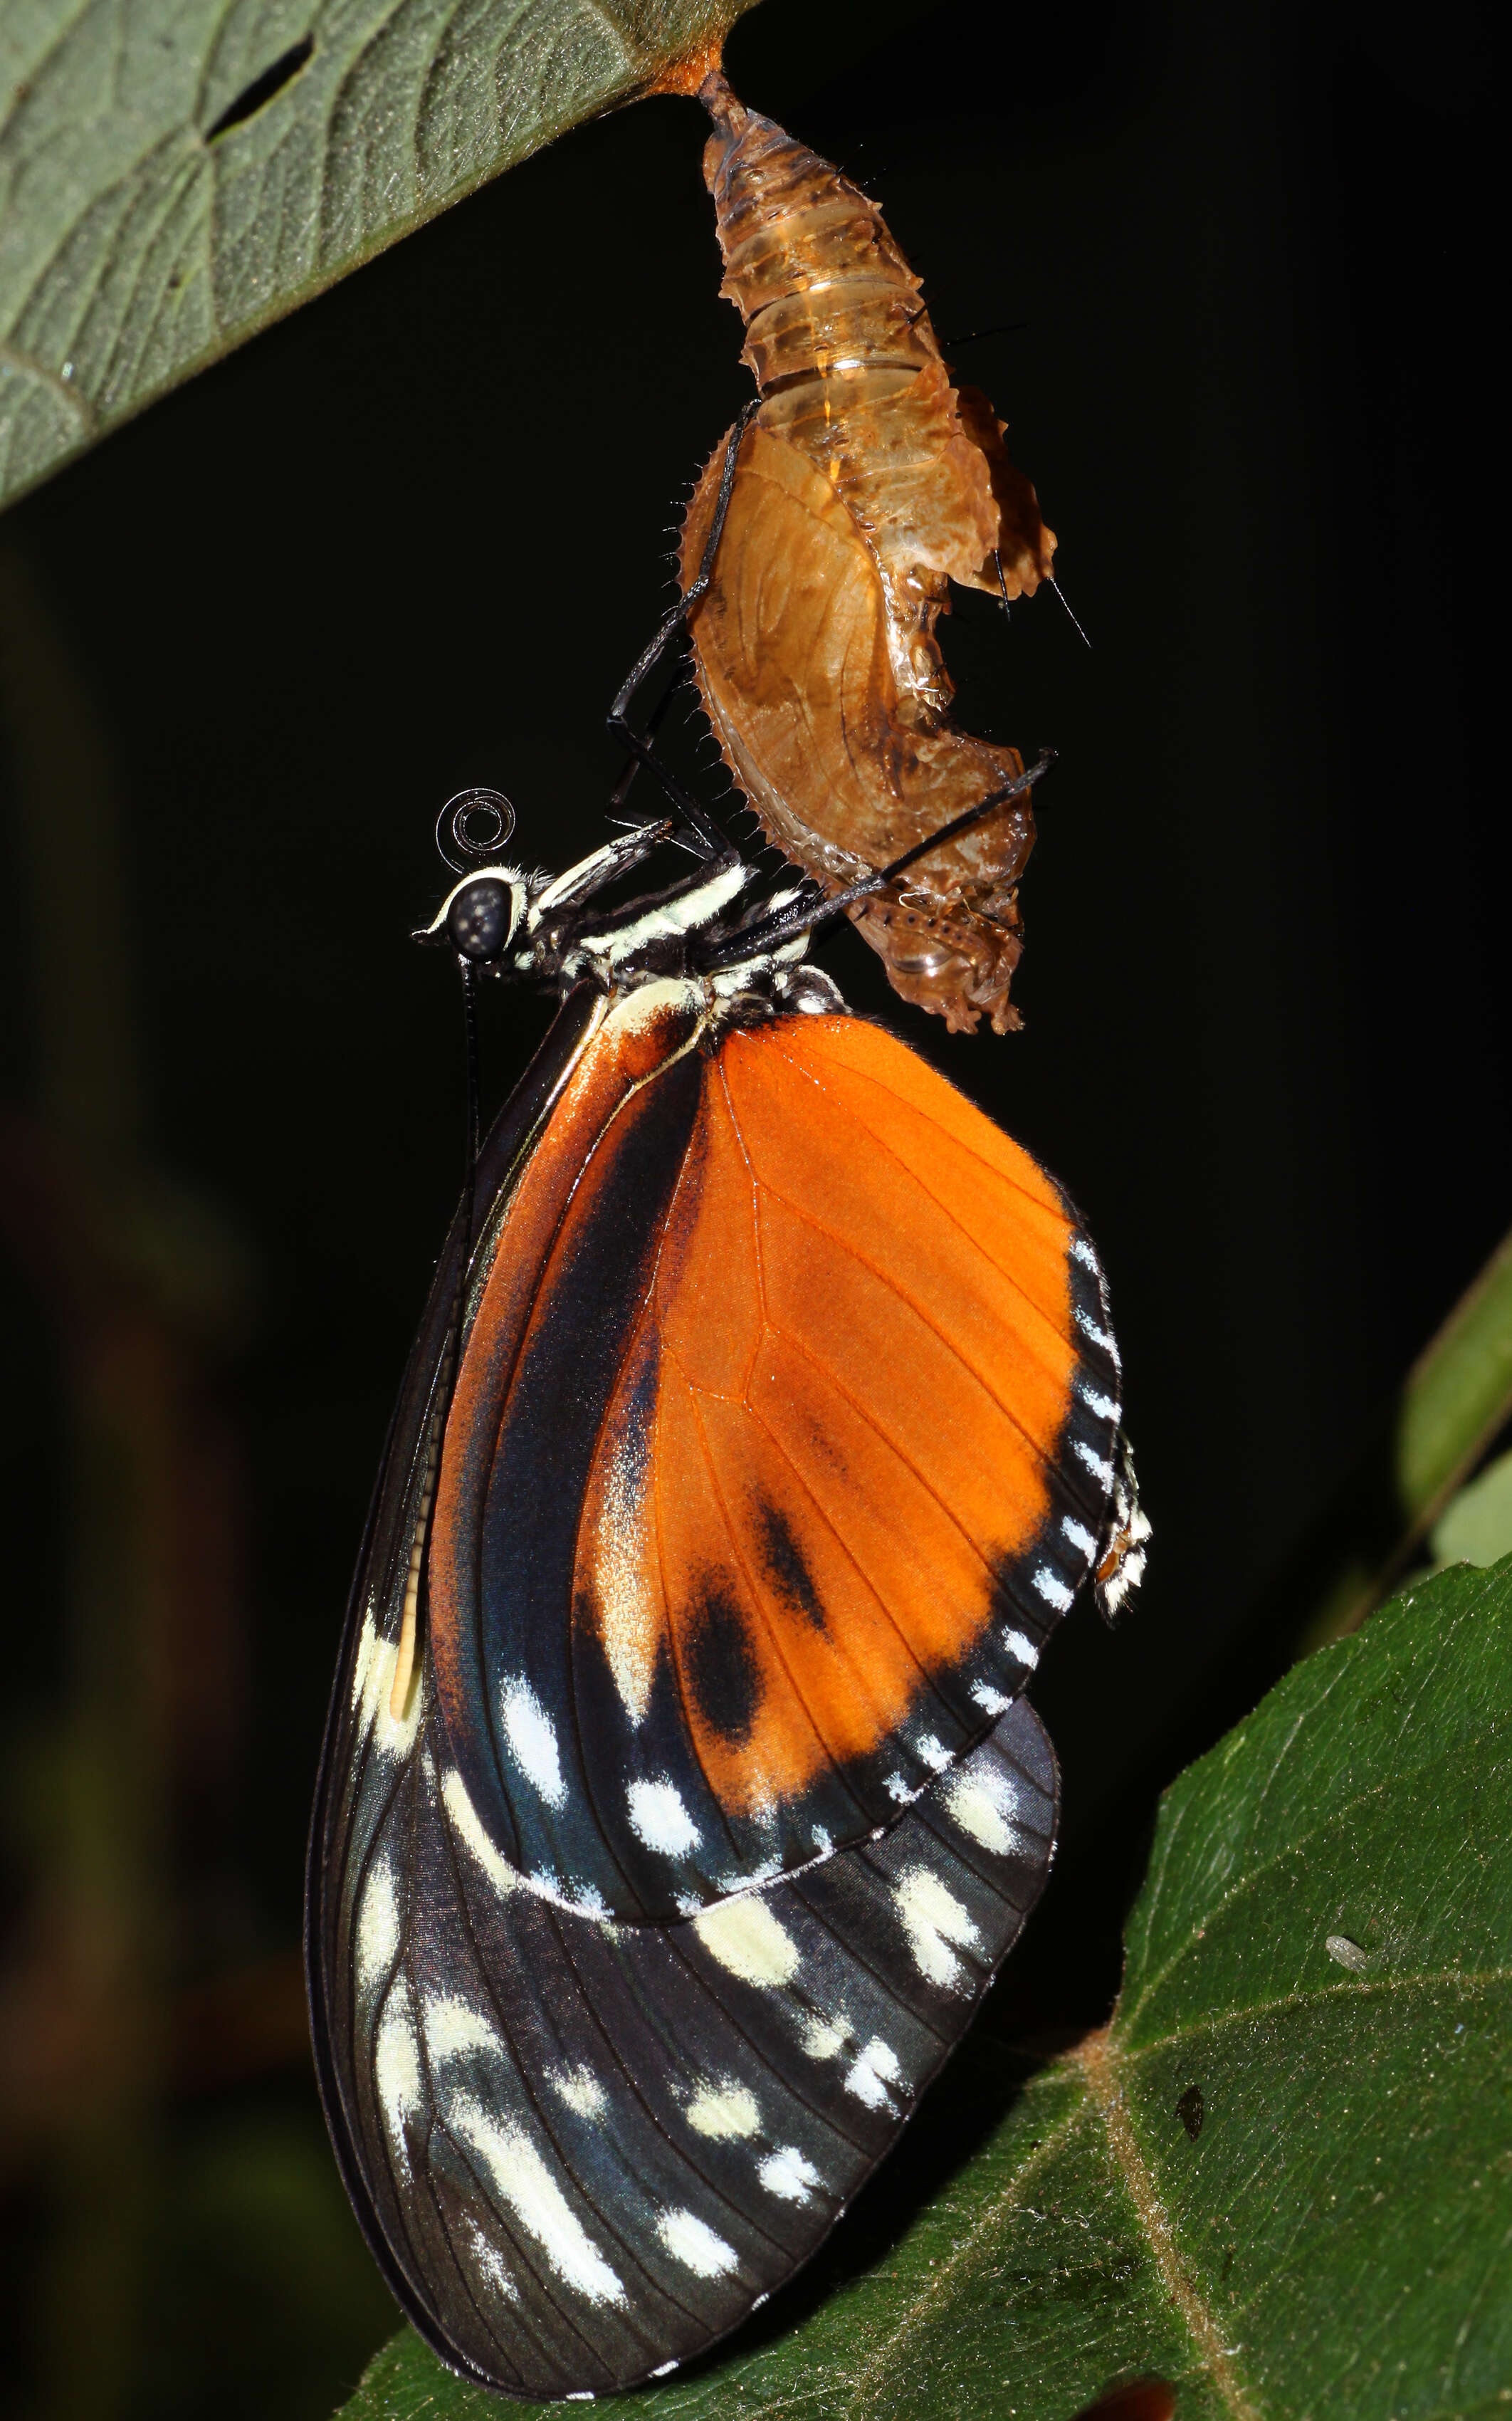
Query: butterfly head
[(481, 916)]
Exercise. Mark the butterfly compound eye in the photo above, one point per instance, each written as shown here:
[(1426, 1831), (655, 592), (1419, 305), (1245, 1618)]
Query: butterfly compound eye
[(482, 919)]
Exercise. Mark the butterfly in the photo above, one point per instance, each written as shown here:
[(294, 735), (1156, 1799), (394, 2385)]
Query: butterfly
[(678, 1799)]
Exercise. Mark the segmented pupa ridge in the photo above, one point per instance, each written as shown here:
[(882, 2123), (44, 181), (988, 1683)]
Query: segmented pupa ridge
[(866, 483)]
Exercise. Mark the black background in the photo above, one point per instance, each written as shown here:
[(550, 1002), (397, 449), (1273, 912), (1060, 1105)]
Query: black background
[(410, 540)]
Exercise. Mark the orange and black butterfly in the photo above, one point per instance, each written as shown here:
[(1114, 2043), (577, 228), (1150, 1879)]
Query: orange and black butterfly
[(678, 1799)]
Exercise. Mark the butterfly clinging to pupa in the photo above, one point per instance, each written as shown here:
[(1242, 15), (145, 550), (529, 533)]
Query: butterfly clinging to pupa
[(679, 1797)]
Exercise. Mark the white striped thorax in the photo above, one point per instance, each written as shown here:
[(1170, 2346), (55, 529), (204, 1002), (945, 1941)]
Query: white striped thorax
[(552, 929)]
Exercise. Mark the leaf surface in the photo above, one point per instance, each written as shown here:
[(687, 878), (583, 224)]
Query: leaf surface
[(173, 174), (1281, 2180)]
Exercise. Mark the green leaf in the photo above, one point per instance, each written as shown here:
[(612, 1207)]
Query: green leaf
[(1281, 2178), (1458, 1392), (174, 174), (1449, 1409), (1479, 1523), (1477, 1526)]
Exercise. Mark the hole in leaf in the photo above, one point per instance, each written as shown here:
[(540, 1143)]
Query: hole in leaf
[(1137, 2399), (262, 89), (1189, 2111)]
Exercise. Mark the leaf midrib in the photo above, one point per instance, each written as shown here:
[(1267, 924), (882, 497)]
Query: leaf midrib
[(1351, 1988)]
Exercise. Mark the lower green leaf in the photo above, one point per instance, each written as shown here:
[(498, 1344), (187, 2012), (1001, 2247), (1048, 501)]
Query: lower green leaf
[(1281, 2180)]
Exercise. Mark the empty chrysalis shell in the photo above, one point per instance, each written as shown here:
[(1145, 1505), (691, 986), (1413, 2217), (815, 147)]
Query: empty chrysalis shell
[(866, 484)]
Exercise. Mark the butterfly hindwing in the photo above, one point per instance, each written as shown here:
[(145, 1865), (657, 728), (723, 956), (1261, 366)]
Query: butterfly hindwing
[(589, 2147)]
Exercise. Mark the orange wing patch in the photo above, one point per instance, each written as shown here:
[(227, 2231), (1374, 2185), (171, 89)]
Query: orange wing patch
[(860, 1346)]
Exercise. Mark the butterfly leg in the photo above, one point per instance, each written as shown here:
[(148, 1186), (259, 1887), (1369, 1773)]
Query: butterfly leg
[(803, 917), (701, 831)]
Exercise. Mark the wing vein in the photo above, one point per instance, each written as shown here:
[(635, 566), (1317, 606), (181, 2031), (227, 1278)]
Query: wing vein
[(924, 1317)]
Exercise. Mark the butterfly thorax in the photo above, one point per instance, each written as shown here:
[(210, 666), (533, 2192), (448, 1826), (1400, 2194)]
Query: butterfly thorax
[(557, 934)]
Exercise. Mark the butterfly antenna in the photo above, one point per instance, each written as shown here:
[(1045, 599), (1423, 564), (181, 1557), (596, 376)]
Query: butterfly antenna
[(1075, 624)]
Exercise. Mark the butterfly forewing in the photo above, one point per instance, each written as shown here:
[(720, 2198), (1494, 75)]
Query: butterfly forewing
[(780, 1440)]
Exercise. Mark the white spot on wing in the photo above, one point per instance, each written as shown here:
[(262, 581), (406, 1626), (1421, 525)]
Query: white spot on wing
[(580, 2089), (935, 1924), (723, 2111), (1104, 1406), (521, 2179), (824, 2037), (689, 2240), (396, 2065), (486, 2258), (869, 2076), (932, 1753), (745, 1937), (1083, 1252), (984, 1803), (1082, 1539), (1098, 1337), (992, 1702), (658, 1816), (532, 1740), (788, 2175), (453, 2028), (898, 1788), (1053, 1588), (1021, 1647), (378, 1928), (1094, 1464)]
